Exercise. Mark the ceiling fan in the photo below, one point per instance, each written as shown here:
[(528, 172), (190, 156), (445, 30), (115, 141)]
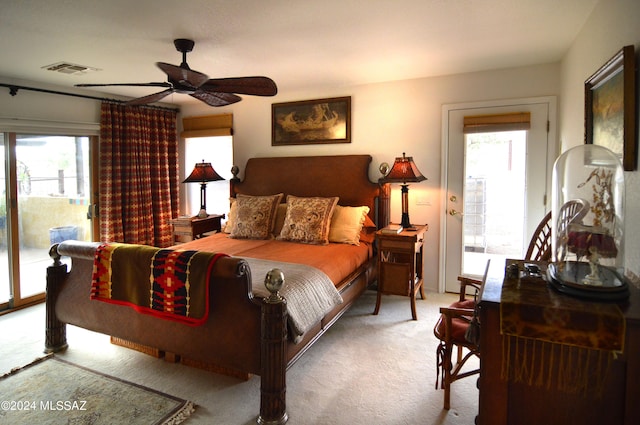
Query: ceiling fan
[(182, 79)]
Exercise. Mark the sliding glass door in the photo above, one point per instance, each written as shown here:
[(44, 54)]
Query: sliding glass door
[(5, 292), (49, 182)]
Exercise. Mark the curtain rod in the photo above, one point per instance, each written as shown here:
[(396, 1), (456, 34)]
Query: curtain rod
[(13, 90)]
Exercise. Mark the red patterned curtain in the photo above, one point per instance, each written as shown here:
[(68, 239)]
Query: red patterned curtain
[(138, 174)]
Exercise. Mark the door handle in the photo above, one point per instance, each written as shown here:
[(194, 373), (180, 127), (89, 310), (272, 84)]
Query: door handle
[(453, 212), (92, 211)]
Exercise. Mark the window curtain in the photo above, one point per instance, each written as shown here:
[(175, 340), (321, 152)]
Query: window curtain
[(138, 174)]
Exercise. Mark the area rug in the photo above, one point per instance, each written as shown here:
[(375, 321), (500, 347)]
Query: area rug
[(53, 391)]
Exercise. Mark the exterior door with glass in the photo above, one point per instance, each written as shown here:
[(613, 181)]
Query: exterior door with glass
[(496, 185)]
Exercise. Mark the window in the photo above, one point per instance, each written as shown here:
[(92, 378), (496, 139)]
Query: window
[(218, 150)]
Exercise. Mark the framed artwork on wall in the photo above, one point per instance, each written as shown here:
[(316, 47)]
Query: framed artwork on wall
[(610, 107), (311, 122)]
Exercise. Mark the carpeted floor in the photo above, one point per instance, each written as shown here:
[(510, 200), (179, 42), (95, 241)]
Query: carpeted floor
[(365, 370)]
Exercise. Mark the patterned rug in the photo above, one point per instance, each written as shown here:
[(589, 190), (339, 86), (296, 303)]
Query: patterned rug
[(53, 391)]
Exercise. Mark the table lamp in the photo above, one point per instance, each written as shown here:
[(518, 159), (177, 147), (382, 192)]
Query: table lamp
[(404, 171), (202, 173)]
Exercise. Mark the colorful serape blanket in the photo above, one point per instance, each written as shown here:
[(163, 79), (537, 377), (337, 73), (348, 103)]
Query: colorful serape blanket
[(166, 283), (550, 337)]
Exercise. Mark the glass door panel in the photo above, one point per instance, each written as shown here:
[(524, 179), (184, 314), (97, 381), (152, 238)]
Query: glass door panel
[(5, 282), (494, 198), (53, 192)]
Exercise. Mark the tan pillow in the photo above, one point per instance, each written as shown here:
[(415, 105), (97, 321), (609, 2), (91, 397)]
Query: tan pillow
[(255, 216), (232, 217), (346, 224), (308, 219)]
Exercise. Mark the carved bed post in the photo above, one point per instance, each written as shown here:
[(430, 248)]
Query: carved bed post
[(234, 181), (56, 331), (384, 208), (273, 386)]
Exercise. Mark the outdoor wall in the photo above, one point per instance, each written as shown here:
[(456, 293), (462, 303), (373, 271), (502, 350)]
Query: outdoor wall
[(612, 25), (61, 211)]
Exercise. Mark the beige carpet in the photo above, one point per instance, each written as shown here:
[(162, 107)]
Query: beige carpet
[(365, 370)]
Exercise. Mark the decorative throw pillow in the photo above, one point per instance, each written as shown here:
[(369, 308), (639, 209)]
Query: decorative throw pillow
[(346, 224), (255, 216), (307, 220)]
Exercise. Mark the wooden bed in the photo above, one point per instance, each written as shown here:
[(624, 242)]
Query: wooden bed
[(243, 332)]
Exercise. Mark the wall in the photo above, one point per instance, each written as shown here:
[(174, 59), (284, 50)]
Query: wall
[(406, 116), (607, 30), (388, 119), (47, 111)]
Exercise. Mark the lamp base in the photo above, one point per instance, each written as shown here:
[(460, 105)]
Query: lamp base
[(405, 223), (202, 214)]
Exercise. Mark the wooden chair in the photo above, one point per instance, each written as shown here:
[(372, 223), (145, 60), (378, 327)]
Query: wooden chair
[(452, 328), (540, 246), (457, 329)]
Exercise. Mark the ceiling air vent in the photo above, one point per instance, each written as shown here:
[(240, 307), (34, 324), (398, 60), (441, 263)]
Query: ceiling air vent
[(69, 68)]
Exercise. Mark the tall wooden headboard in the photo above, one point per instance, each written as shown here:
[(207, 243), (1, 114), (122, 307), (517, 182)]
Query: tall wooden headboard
[(345, 176)]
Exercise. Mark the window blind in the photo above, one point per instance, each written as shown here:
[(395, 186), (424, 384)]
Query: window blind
[(207, 126), (497, 122)]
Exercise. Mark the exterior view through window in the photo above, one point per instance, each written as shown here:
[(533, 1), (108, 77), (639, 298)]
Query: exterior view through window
[(218, 150)]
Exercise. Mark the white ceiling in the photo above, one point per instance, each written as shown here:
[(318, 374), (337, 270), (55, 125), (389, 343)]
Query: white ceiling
[(299, 44)]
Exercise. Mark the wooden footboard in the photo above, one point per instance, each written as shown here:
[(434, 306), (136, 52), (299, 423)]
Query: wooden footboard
[(241, 333)]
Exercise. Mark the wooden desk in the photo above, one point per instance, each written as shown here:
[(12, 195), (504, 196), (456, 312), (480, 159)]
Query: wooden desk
[(185, 229), (400, 265), (505, 402)]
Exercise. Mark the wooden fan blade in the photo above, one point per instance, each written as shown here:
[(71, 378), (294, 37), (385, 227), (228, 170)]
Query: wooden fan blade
[(151, 98), (257, 86), (126, 84), (183, 76), (216, 99)]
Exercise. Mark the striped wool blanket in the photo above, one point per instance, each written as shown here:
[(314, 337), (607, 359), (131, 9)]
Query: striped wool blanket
[(166, 283)]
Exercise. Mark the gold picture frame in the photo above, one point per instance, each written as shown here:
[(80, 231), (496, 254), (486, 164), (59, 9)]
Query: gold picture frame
[(311, 122), (610, 107)]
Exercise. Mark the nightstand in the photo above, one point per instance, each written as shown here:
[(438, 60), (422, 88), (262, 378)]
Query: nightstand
[(185, 229), (400, 265)]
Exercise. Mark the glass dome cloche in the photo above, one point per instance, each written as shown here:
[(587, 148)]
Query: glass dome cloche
[(587, 224)]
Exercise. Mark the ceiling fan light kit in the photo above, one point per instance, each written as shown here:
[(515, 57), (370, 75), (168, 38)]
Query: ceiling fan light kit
[(183, 80)]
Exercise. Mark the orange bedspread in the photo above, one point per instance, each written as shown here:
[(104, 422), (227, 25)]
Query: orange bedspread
[(336, 260)]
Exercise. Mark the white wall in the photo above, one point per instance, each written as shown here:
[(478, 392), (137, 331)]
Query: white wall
[(612, 25), (49, 109), (388, 119)]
